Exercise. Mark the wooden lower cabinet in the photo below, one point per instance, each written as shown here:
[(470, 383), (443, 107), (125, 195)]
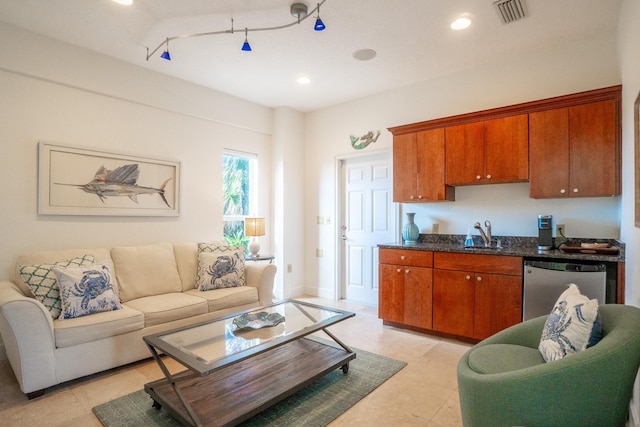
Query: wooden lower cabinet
[(468, 295), (476, 304), (453, 300), (391, 293), (405, 295), (418, 288), (406, 283)]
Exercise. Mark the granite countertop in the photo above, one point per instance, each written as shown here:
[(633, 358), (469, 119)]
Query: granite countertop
[(526, 247)]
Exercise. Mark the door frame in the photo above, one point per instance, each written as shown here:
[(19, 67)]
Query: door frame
[(339, 206)]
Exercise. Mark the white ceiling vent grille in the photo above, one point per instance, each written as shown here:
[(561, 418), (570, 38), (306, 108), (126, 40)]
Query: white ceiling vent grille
[(510, 10)]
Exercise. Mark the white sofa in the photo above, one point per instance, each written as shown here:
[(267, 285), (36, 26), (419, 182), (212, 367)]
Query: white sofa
[(156, 285)]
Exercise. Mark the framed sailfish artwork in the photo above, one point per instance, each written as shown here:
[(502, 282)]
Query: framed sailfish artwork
[(83, 181)]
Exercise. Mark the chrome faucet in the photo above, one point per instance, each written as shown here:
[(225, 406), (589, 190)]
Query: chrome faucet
[(486, 237)]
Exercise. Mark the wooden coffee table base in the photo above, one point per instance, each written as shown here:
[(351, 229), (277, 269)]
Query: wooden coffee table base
[(239, 391)]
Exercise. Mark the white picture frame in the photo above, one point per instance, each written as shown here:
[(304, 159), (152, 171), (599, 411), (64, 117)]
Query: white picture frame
[(85, 181)]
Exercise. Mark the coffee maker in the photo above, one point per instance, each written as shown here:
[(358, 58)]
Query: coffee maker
[(545, 241)]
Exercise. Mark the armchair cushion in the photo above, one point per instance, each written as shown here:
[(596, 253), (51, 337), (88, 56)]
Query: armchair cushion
[(497, 358)]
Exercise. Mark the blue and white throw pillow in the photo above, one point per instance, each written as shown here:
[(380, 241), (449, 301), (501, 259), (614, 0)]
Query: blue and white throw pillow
[(218, 248), (220, 270), (42, 282), (86, 290), (571, 327)]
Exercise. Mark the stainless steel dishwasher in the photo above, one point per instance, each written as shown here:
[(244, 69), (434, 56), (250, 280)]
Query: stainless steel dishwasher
[(544, 281)]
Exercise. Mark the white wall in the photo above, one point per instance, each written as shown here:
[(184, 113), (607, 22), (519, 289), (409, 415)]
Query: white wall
[(557, 70), (628, 41), (289, 192), (63, 94)]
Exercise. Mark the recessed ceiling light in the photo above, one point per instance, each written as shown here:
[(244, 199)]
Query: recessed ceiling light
[(124, 2), (303, 80), (461, 23), (364, 54)]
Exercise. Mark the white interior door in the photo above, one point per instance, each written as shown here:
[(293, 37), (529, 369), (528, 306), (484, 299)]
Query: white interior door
[(367, 219)]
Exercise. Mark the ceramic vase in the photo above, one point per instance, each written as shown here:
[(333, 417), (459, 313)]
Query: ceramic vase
[(410, 231)]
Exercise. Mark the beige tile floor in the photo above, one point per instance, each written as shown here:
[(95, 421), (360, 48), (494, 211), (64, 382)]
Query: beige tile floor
[(424, 393)]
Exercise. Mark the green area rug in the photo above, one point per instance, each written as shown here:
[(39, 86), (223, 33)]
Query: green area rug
[(315, 405)]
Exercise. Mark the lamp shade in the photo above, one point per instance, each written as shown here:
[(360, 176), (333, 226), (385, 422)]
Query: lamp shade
[(254, 227)]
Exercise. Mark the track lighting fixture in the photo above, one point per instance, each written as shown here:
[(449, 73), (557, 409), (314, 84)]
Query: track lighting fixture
[(246, 46), (298, 10), (165, 54), (319, 26)]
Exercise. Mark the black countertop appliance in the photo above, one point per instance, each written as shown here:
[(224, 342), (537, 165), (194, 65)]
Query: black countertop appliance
[(545, 240)]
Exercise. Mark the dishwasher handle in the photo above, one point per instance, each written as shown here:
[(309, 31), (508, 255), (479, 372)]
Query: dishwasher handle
[(566, 266)]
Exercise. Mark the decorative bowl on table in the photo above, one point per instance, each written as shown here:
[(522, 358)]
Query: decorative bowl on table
[(258, 320)]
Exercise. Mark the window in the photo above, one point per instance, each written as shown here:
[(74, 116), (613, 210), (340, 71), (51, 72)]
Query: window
[(239, 194)]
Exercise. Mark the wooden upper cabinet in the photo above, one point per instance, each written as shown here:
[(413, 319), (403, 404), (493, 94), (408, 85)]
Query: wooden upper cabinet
[(549, 153), (566, 146), (507, 148), (465, 154), (592, 150), (491, 151), (575, 151), (418, 167), (405, 167)]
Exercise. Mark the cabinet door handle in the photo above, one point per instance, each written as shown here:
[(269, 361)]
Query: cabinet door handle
[(468, 277), (562, 191), (411, 197), (479, 279), (575, 190), (402, 257), (406, 271), (419, 197), (478, 177), (399, 270), (489, 176)]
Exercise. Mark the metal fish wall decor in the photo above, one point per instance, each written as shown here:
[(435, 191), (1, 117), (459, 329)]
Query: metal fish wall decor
[(363, 141)]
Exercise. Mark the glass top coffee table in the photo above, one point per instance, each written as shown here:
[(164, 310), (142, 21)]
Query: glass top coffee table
[(241, 364)]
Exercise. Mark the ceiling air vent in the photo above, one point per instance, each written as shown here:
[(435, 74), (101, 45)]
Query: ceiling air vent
[(510, 10)]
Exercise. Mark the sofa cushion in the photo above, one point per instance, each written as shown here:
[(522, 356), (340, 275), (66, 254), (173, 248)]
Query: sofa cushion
[(70, 332), (499, 358), (220, 299), (146, 270), (86, 290), (158, 309), (42, 283), (570, 325), (220, 270), (187, 261)]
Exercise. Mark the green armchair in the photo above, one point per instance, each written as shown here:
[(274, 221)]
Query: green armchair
[(504, 381)]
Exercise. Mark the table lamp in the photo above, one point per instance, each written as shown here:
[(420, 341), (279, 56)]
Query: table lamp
[(254, 227)]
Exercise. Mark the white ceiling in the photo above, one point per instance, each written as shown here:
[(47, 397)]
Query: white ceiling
[(412, 39)]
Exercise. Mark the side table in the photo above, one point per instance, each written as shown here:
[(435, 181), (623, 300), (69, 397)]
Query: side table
[(269, 258)]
